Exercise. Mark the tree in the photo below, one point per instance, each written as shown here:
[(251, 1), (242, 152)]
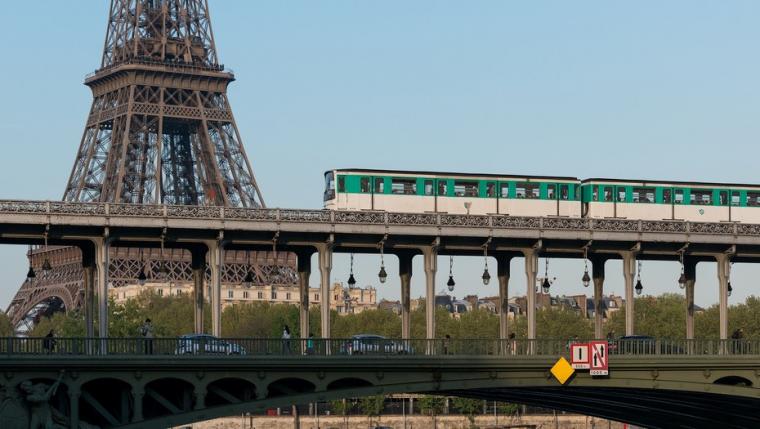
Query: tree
[(469, 408), (372, 406), (431, 405), (6, 329)]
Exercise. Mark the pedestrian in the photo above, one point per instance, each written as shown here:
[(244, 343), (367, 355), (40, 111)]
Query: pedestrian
[(736, 340), (146, 331), (49, 342), (286, 340), (446, 341), (611, 335), (310, 344), (512, 344)]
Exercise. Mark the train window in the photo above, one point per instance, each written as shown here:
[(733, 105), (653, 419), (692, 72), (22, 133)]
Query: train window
[(364, 185), (608, 193), (404, 186), (595, 193), (528, 190), (428, 187), (701, 197), (341, 183), (551, 191), (753, 199), (379, 185), (329, 186), (491, 190), (678, 197), (466, 189), (620, 194), (564, 192), (723, 198), (505, 190), (443, 187), (667, 195), (643, 195), (735, 198)]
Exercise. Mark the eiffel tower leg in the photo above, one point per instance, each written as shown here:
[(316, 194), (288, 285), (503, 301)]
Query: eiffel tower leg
[(199, 275), (88, 271)]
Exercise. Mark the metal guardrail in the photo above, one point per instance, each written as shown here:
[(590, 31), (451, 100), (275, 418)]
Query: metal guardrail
[(376, 218), (352, 347)]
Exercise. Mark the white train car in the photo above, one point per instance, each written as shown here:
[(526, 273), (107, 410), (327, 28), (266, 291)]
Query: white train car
[(456, 193), (658, 200)]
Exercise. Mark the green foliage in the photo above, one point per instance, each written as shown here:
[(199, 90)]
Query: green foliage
[(340, 407), (468, 407), (431, 405), (372, 406), (6, 329), (508, 409)]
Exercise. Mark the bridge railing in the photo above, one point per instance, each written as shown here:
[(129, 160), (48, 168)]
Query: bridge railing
[(358, 346)]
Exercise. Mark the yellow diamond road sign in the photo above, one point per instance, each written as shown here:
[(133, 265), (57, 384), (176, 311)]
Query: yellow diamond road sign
[(562, 370)]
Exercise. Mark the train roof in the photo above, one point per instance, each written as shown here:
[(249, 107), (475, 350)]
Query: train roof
[(451, 173), (649, 182)]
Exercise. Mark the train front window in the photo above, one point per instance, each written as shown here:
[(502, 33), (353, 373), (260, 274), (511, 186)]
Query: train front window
[(364, 185), (404, 186), (329, 186)]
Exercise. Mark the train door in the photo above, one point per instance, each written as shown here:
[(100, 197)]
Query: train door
[(553, 196), (440, 190), (428, 190), (377, 190)]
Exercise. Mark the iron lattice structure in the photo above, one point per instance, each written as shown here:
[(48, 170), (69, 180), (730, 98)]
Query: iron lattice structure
[(160, 131)]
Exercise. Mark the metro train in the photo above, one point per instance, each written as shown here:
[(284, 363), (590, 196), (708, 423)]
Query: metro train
[(480, 194)]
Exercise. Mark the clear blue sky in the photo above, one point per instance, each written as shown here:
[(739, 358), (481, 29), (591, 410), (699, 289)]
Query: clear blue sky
[(645, 89)]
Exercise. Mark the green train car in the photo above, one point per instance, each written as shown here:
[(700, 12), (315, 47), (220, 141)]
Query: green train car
[(460, 193)]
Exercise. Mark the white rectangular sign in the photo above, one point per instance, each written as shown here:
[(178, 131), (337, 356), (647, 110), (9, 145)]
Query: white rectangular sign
[(599, 357), (579, 356)]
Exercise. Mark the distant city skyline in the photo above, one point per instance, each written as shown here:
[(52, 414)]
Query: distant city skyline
[(594, 89)]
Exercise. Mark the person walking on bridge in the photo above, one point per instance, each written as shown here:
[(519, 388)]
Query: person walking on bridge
[(146, 331), (286, 340)]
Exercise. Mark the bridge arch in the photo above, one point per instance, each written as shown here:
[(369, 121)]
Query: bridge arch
[(167, 396), (106, 402), (225, 391), (348, 383), (290, 386), (734, 380)]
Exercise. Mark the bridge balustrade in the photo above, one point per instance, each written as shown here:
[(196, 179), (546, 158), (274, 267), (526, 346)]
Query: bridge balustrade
[(356, 347)]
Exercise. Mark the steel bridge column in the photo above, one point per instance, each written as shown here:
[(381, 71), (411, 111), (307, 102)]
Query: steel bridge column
[(216, 262), (531, 270), (304, 272), (431, 267), (597, 267), (503, 271), (405, 273), (325, 267), (103, 262), (723, 269), (74, 394), (629, 273), (199, 276), (88, 268), (690, 272)]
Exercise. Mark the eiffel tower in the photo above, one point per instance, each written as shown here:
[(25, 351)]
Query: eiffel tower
[(160, 131)]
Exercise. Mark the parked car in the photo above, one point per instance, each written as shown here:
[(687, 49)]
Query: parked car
[(373, 344), (206, 344)]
